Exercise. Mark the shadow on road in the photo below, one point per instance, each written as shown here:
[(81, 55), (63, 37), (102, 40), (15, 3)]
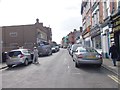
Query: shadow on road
[(91, 68), (18, 67)]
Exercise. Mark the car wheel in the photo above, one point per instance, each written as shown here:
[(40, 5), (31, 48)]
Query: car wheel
[(99, 65), (73, 60), (9, 66), (50, 53), (76, 65), (26, 62), (71, 55)]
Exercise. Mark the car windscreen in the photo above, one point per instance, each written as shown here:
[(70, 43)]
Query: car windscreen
[(14, 53)]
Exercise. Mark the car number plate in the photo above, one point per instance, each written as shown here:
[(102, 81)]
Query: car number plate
[(91, 57)]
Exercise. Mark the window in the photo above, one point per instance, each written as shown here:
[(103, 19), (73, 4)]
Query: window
[(105, 10), (14, 53), (13, 34), (119, 5)]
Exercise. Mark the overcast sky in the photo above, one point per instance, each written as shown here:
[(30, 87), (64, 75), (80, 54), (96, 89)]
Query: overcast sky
[(62, 15)]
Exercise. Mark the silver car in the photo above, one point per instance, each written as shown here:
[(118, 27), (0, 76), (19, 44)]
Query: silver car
[(84, 55), (73, 48), (18, 56)]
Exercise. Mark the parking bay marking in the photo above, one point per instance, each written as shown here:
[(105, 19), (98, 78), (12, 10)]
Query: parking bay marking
[(114, 78)]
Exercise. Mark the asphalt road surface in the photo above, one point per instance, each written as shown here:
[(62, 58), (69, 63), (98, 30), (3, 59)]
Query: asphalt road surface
[(57, 71)]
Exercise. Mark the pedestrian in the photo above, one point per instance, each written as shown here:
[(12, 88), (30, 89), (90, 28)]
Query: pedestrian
[(35, 55), (114, 53)]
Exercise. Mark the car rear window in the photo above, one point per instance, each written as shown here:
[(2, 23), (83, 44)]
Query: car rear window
[(14, 53), (91, 50), (87, 50)]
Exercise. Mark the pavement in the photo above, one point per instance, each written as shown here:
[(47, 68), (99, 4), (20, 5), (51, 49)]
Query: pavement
[(107, 64)]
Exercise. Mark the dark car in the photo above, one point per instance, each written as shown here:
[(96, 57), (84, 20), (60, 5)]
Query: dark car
[(44, 48)]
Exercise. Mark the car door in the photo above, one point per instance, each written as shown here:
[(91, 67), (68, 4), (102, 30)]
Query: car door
[(27, 54)]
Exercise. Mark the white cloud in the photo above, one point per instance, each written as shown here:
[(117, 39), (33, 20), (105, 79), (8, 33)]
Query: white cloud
[(56, 13)]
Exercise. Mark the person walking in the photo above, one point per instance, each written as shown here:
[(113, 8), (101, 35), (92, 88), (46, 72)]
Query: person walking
[(114, 53), (35, 55)]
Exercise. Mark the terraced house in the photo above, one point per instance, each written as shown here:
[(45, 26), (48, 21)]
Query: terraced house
[(0, 44), (101, 24)]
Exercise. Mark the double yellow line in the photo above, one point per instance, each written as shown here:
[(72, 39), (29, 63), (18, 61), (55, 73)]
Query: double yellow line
[(114, 78)]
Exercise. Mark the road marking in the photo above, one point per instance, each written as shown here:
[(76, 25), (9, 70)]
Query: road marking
[(114, 78), (68, 66), (76, 73)]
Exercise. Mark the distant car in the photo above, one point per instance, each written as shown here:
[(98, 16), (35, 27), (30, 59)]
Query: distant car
[(18, 56), (64, 47), (84, 55), (73, 48), (69, 48), (44, 48), (55, 49)]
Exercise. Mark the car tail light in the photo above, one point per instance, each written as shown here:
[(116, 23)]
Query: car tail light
[(80, 56), (99, 56), (21, 56)]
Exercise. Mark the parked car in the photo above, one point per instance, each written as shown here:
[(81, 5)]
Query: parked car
[(55, 48), (84, 55), (18, 56), (69, 48), (44, 48), (73, 48)]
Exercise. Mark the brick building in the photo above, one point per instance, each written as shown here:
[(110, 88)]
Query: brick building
[(26, 36), (0, 44)]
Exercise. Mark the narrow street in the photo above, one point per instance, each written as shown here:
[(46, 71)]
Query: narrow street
[(57, 71)]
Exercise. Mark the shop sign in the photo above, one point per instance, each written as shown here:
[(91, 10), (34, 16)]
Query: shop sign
[(86, 35), (112, 35), (116, 29), (95, 32), (116, 22)]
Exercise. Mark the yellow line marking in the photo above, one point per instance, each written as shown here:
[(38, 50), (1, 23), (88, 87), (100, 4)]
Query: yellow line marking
[(114, 78)]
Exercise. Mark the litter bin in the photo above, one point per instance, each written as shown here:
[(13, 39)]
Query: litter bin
[(4, 56)]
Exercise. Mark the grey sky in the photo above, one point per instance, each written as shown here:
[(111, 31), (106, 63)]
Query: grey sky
[(62, 15)]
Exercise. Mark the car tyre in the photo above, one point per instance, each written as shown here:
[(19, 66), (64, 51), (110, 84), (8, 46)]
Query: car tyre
[(50, 53), (99, 65), (73, 60), (26, 62), (9, 66), (76, 65)]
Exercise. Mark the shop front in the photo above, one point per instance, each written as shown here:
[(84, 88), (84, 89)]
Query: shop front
[(87, 38), (96, 37), (116, 30)]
